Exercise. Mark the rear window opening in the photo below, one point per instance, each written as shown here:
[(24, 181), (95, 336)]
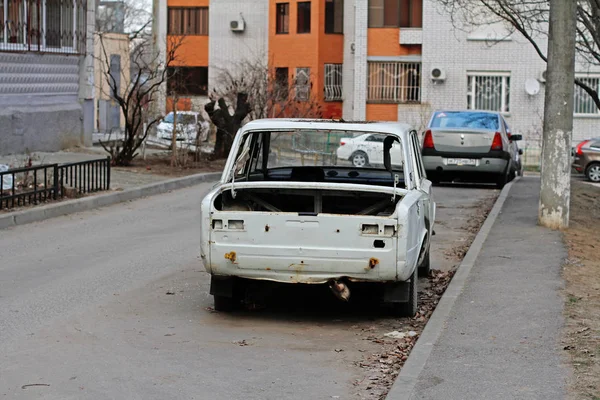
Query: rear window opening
[(308, 202), (304, 155)]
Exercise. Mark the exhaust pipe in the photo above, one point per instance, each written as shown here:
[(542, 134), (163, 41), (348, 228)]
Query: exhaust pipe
[(340, 290)]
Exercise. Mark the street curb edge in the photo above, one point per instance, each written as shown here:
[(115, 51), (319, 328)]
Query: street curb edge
[(41, 213), (405, 382)]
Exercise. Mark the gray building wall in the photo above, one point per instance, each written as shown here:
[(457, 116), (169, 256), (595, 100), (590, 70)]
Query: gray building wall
[(228, 49), (456, 52), (39, 102)]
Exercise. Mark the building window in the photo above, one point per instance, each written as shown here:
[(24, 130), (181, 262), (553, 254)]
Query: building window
[(302, 84), (283, 18), (187, 21), (334, 16), (57, 26), (394, 82), (304, 17), (333, 82), (395, 13), (187, 81), (488, 92), (281, 84), (584, 104)]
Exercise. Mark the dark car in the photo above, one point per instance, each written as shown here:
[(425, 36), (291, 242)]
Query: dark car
[(587, 159)]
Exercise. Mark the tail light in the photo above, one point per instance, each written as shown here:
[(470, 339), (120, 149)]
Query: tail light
[(428, 141), (342, 143), (579, 152), (497, 142)]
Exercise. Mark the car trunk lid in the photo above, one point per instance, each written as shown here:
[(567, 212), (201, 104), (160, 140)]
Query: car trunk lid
[(461, 140)]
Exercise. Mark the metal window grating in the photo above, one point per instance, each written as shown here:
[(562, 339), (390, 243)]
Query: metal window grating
[(333, 82), (394, 82)]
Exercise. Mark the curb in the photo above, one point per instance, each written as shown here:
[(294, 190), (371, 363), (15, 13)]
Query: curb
[(405, 382), (41, 213)]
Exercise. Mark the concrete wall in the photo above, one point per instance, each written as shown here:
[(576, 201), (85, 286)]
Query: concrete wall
[(39, 102), (228, 49)]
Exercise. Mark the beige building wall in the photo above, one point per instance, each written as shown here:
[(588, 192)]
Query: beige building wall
[(106, 45)]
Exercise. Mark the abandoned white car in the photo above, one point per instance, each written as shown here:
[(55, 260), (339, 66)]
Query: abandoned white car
[(288, 211)]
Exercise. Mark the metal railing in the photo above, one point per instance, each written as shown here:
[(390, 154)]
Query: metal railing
[(394, 82), (49, 26), (41, 183), (333, 82)]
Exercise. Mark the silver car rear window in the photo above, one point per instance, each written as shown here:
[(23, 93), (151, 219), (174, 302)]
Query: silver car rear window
[(465, 119)]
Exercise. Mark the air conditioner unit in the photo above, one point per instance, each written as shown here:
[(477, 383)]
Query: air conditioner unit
[(437, 74), (542, 77), (237, 26)]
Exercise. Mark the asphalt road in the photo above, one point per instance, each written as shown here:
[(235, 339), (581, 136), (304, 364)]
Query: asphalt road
[(114, 304)]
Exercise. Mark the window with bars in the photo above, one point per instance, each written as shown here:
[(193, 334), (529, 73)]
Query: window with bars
[(282, 23), (187, 21), (303, 17), (333, 82), (334, 16), (395, 13), (489, 92), (187, 81), (302, 85), (394, 82), (57, 26), (584, 104)]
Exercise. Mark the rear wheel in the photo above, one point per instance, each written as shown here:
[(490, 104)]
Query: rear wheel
[(425, 266), (592, 172), (359, 159), (223, 303), (502, 179), (409, 309)]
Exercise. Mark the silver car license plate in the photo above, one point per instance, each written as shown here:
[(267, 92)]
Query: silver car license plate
[(462, 161)]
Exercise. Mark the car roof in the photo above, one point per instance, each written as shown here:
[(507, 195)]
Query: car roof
[(469, 111), (186, 112), (394, 128)]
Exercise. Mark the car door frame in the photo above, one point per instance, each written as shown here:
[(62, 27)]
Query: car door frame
[(422, 184)]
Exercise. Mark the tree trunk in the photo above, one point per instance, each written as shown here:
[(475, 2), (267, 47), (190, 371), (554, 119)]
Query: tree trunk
[(558, 116)]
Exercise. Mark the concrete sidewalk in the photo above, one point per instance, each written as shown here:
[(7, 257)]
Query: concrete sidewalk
[(501, 338)]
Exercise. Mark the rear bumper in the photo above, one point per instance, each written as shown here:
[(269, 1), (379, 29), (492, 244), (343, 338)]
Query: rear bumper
[(303, 265), (439, 165)]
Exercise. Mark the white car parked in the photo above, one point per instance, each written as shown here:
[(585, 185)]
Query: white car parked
[(278, 217), (189, 125), (366, 150)]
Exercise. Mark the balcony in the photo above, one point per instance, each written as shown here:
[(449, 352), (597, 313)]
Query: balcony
[(411, 36)]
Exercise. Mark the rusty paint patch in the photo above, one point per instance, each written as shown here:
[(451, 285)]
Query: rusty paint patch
[(268, 269), (373, 262), (231, 256)]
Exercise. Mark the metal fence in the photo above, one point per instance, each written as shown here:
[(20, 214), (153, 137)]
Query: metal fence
[(50, 26), (41, 183)]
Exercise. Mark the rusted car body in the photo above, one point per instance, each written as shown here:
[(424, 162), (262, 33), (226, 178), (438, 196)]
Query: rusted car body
[(288, 210)]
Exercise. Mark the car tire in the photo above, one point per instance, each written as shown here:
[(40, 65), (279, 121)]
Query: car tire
[(502, 179), (223, 303), (592, 172), (425, 266), (359, 159), (409, 309)]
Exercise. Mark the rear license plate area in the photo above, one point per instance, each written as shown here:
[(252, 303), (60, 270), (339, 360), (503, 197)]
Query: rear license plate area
[(462, 162)]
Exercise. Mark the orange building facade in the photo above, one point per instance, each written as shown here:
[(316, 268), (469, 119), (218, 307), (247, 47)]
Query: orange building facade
[(346, 56)]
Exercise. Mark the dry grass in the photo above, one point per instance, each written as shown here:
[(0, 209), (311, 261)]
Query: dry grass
[(582, 293)]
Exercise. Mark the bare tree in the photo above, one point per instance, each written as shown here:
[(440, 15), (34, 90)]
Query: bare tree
[(138, 94), (251, 90), (530, 18)]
